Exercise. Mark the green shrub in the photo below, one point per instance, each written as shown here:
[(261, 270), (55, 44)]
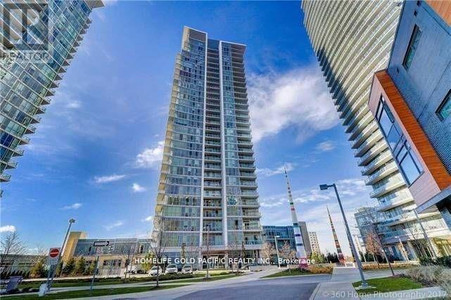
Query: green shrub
[(440, 261)]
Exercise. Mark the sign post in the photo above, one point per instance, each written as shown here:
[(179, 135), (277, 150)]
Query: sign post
[(52, 259), (98, 245)]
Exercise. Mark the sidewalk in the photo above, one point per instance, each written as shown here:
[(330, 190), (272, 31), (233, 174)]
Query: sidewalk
[(339, 286)]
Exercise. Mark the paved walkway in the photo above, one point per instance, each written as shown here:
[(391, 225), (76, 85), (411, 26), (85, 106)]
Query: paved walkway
[(339, 286)]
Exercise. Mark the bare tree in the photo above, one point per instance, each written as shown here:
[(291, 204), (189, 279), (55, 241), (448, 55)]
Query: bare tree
[(157, 247), (267, 251), (235, 248), (372, 246), (10, 244), (287, 253)]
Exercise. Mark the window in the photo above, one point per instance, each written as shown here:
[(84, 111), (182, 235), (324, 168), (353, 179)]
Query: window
[(404, 155), (410, 166), (444, 110), (413, 45)]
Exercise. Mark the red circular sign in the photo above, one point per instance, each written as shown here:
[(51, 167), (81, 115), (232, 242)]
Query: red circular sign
[(54, 252)]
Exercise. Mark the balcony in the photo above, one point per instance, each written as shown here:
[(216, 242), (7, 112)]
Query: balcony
[(351, 116), (250, 203), (364, 134), (371, 141), (394, 200), (248, 174), (213, 143), (379, 147), (212, 215), (252, 228), (387, 186), (212, 167), (212, 158), (408, 217), (355, 130), (246, 158), (251, 215), (4, 177), (212, 194), (377, 162), (212, 150), (210, 175), (247, 166), (30, 129), (382, 173)]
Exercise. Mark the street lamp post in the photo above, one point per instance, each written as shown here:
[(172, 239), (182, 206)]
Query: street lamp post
[(426, 237), (351, 242), (277, 250), (49, 283)]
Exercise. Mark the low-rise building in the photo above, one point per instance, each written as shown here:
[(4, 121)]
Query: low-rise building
[(114, 258), (285, 234)]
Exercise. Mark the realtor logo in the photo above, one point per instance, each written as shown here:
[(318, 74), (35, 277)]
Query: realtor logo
[(25, 25)]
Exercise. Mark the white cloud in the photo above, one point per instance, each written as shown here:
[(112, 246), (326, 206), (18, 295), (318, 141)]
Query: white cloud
[(117, 224), (150, 157), (279, 170), (107, 179), (325, 146), (110, 2), (297, 98), (73, 104), (8, 228), (148, 219), (72, 206), (346, 187), (137, 188)]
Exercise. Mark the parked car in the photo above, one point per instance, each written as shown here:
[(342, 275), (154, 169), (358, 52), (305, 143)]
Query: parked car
[(187, 269), (171, 269), (154, 270)]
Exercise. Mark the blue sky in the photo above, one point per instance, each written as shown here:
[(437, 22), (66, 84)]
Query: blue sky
[(96, 154)]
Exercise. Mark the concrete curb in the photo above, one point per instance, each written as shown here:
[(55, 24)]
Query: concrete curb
[(315, 291)]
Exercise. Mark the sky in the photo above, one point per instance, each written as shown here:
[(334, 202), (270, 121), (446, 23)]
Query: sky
[(97, 152)]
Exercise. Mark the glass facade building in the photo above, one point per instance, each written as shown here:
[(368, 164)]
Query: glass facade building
[(352, 40), (39, 40), (207, 190), (285, 234)]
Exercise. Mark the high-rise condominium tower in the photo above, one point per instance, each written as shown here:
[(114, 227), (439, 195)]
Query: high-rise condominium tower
[(353, 40), (207, 196), (314, 242), (39, 38)]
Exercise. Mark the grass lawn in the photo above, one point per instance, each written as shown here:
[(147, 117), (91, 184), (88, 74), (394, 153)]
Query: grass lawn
[(95, 293), (292, 272), (388, 284), (110, 281)]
